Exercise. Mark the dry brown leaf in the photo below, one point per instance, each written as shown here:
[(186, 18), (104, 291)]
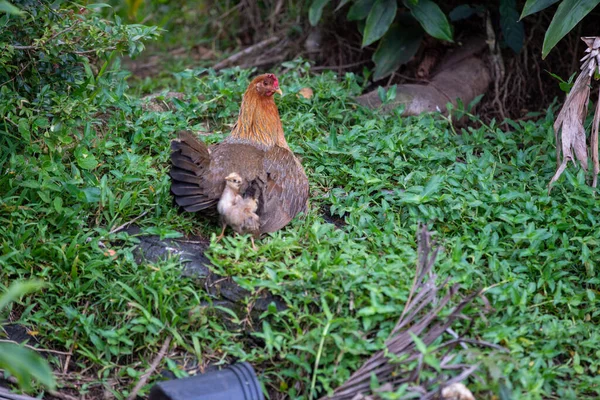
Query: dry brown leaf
[(594, 141), (421, 317), (568, 127)]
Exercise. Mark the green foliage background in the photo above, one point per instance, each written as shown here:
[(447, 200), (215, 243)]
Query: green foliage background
[(79, 155)]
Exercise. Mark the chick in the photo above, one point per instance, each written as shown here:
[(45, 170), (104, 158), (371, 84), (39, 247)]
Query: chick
[(238, 212)]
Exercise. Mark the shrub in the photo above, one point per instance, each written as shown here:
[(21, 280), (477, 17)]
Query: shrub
[(399, 26)]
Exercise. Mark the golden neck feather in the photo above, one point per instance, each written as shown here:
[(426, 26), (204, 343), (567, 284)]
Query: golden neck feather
[(259, 120)]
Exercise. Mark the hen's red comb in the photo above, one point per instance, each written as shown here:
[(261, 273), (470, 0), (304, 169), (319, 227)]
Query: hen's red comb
[(275, 81)]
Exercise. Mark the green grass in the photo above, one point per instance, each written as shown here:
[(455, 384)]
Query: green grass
[(482, 191)]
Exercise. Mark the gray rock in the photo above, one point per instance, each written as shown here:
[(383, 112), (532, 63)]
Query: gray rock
[(225, 291)]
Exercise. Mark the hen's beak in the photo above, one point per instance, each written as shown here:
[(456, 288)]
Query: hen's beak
[(279, 91)]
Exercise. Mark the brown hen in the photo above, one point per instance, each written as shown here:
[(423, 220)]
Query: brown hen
[(257, 150)]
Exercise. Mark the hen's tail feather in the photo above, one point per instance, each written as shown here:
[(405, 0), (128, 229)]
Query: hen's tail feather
[(190, 159), (185, 164), (188, 201), (185, 189), (179, 175)]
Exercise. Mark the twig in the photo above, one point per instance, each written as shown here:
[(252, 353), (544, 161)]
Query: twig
[(17, 74), (95, 50), (126, 224), (47, 40), (235, 57), (318, 359), (25, 47), (226, 13), (63, 396), (150, 370), (346, 66), (64, 353), (8, 395)]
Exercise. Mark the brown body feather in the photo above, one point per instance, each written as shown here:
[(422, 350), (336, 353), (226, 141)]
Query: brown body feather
[(257, 151)]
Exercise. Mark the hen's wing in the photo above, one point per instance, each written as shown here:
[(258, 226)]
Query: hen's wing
[(274, 177), (198, 173), (286, 191)]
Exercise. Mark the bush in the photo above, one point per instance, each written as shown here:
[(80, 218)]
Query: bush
[(53, 64), (399, 26)]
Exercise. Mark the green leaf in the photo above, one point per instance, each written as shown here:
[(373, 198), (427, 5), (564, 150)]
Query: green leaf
[(98, 5), (316, 10), (379, 20), (505, 392), (58, 204), (23, 127), (464, 11), (569, 13), (512, 28), (397, 47), (85, 159), (25, 365), (432, 186), (8, 8), (419, 344), (381, 93), (341, 4), (90, 195), (360, 10), (533, 6), (18, 289), (431, 18)]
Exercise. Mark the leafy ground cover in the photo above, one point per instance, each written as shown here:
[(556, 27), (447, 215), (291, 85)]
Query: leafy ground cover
[(481, 190)]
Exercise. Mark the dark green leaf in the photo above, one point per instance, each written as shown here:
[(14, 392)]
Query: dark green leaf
[(90, 195), (381, 93), (85, 159), (397, 47), (99, 5), (533, 6), (25, 365), (341, 4), (432, 186), (360, 10), (23, 127), (6, 7), (464, 11), (18, 289), (379, 20), (512, 28), (419, 344), (505, 392), (316, 10), (569, 13), (431, 18)]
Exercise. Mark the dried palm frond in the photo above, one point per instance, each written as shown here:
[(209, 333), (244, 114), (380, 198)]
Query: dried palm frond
[(570, 119), (421, 317)]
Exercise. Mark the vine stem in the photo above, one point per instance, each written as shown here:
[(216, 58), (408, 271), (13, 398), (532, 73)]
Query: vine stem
[(319, 352)]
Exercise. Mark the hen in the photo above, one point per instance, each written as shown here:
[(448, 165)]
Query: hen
[(257, 150), (236, 211)]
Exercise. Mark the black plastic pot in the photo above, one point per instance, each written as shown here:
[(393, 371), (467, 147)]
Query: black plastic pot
[(235, 382)]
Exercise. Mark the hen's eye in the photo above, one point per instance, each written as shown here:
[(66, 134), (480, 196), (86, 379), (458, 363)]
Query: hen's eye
[(265, 82)]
